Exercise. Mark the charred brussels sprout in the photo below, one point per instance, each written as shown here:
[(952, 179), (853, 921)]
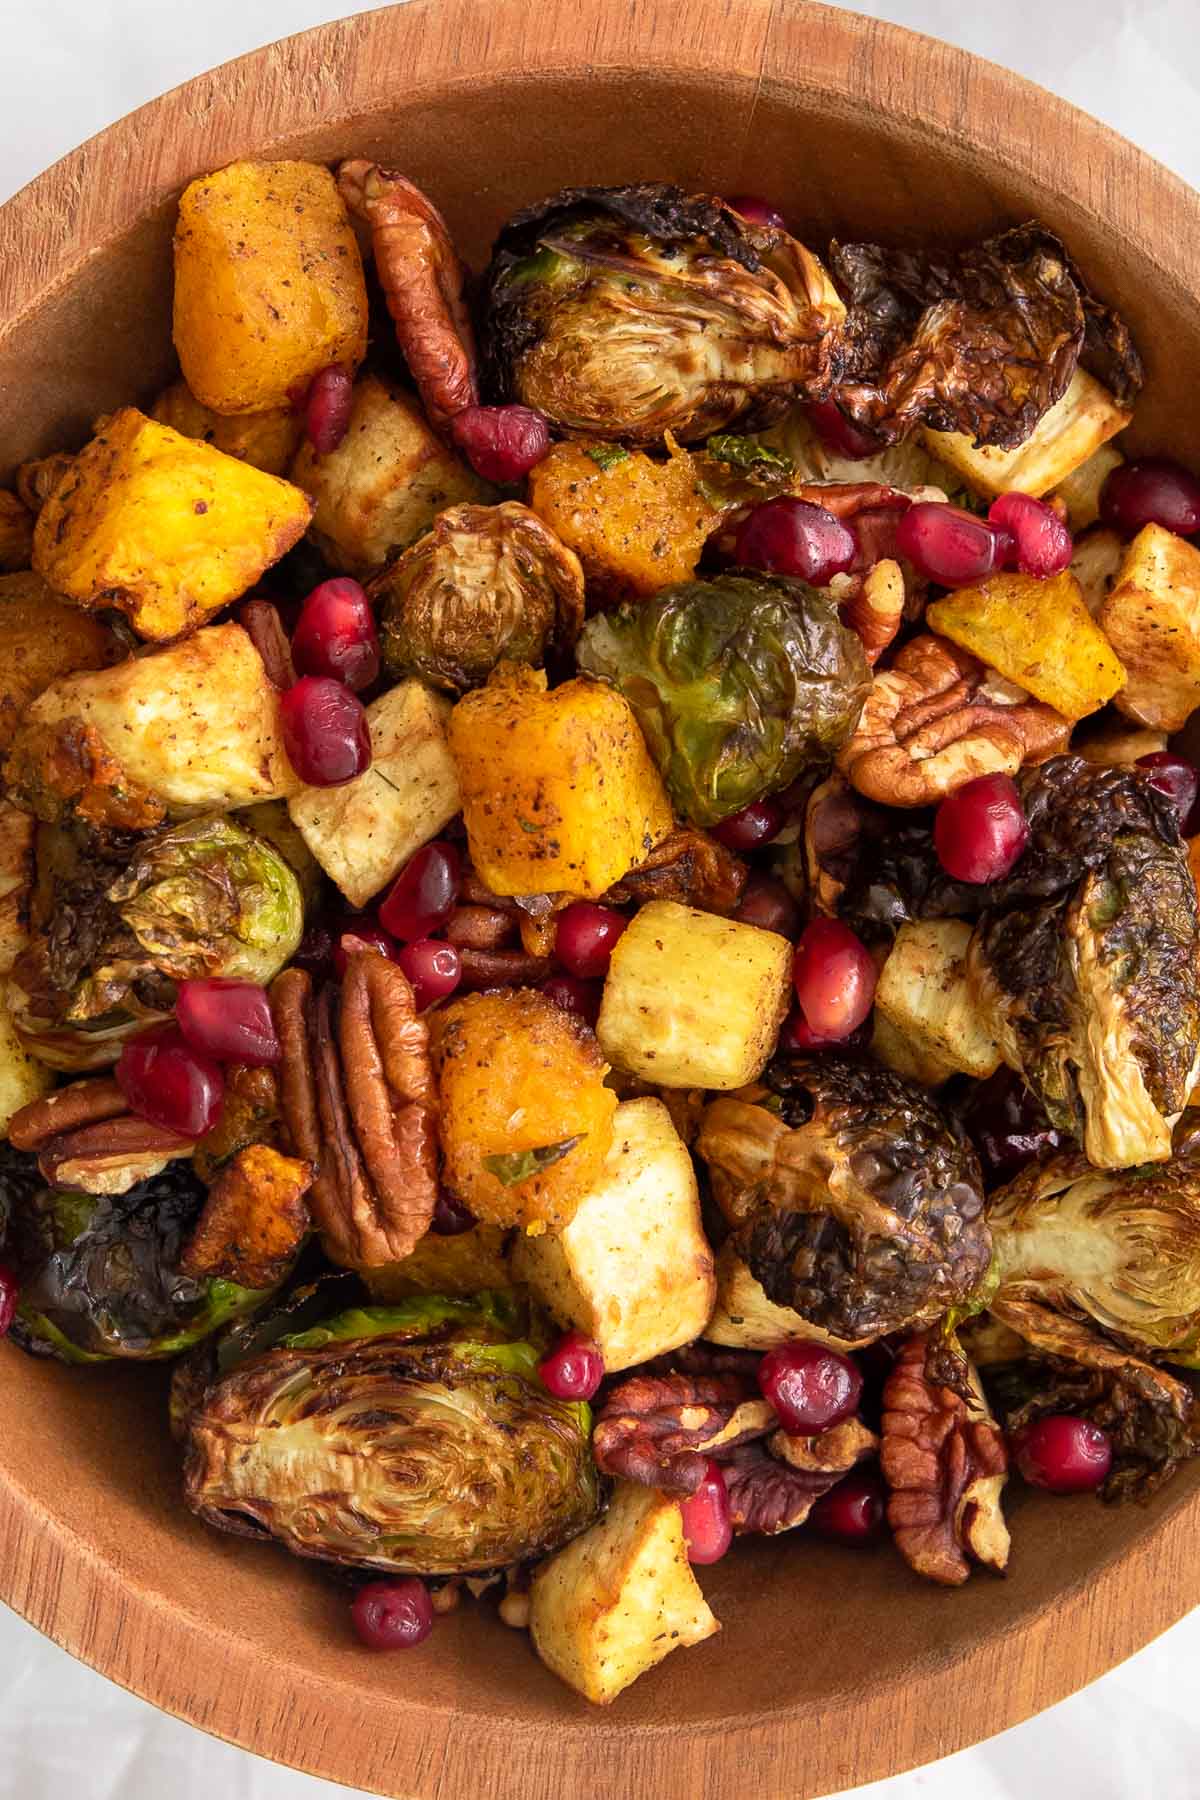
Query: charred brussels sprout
[(633, 311), (100, 1277), (487, 583), (852, 1198), (415, 1438), (737, 683)]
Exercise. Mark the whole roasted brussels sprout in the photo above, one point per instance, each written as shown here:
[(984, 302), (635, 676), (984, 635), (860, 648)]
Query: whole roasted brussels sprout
[(100, 1278), (629, 312), (486, 583), (737, 684), (853, 1199), (417, 1438)]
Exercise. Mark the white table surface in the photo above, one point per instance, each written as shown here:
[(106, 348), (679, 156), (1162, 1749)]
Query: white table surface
[(69, 67)]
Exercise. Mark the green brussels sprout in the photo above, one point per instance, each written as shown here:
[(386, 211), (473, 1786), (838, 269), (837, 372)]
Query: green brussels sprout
[(99, 1275), (629, 312), (738, 683), (486, 583), (414, 1438)]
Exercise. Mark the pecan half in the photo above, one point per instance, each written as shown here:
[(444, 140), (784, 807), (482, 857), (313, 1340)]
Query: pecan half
[(662, 1429), (423, 282), (945, 1462), (111, 1156), (260, 620), (473, 927), (66, 1109), (923, 733), (254, 1220)]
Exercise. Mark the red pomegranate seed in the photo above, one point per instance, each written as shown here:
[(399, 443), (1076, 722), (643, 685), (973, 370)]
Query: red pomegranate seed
[(756, 211), (810, 1386), (573, 1368), (980, 830), (796, 1034), (424, 893), (1178, 780), (10, 1295), (707, 1526), (834, 977), (792, 537), (168, 1082), (754, 824), (450, 1217), (1041, 543), (325, 732), (574, 996), (501, 443), (853, 1512), (767, 904), (1154, 490), (840, 434), (585, 937), (948, 545), (1064, 1454), (393, 1615), (433, 969), (230, 1020), (336, 634), (327, 408), (358, 935)]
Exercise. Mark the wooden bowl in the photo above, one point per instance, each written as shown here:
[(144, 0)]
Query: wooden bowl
[(833, 1667)]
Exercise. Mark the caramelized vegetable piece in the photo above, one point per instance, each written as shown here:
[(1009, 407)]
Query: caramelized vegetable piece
[(41, 638), (1039, 634), (16, 532), (924, 996), (23, 1077), (1067, 440), (254, 1219), (463, 1264), (266, 440), (1152, 617)]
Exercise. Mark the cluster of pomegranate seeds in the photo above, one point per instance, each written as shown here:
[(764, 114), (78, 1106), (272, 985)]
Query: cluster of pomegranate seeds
[(585, 937), (767, 904), (839, 434), (1063, 1454), (949, 545), (810, 1386), (335, 634), (755, 824), (358, 935), (169, 1083), (1007, 1126), (793, 537), (574, 996), (327, 408), (501, 443), (833, 974), (434, 970), (1041, 542), (393, 1615), (1154, 490), (325, 732), (707, 1526), (10, 1294), (230, 1020), (450, 1217), (980, 830), (1179, 781), (424, 893), (854, 1511), (756, 211), (573, 1368)]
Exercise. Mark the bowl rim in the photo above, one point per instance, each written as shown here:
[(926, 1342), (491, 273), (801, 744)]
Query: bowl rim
[(65, 1587)]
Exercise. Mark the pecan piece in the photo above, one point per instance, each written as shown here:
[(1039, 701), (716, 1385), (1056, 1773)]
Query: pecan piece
[(260, 620), (833, 1452), (501, 968), (945, 1462), (66, 1109), (662, 1429), (873, 608), (474, 927), (773, 1487), (689, 866), (254, 1220), (423, 283), (923, 732), (111, 1156)]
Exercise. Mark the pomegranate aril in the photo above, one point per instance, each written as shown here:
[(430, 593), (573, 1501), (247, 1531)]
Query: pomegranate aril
[(358, 935), (796, 1034), (1178, 780), (393, 1615), (756, 211), (424, 893), (948, 545), (10, 1296), (853, 1512), (1063, 1454), (840, 434), (450, 1217), (1041, 543), (573, 1368), (834, 975), (707, 1526), (574, 996), (980, 830), (230, 1020), (810, 1386), (434, 970), (753, 825), (767, 904), (501, 443), (327, 408), (336, 634), (585, 936), (325, 732), (169, 1083), (1154, 490), (792, 537)]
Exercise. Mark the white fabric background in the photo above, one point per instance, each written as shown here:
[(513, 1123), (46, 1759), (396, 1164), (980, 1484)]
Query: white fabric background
[(69, 67)]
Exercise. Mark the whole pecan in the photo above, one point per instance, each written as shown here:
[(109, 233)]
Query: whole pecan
[(945, 1461), (661, 1430), (773, 1487)]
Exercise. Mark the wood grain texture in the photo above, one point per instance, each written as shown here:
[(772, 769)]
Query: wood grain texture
[(832, 1668)]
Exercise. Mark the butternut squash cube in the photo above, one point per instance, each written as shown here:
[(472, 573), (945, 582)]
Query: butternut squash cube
[(16, 532), (266, 440), (1037, 633), (1064, 438), (41, 638), (1152, 617)]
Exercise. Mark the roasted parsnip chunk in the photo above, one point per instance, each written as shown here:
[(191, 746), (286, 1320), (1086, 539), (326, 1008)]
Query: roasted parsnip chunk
[(22, 1077), (924, 995), (1064, 439), (1152, 618)]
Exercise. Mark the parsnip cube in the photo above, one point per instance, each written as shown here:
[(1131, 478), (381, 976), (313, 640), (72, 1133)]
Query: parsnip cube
[(364, 832), (1064, 439), (385, 483), (619, 1598), (633, 1269), (162, 526), (1081, 489), (692, 1000), (1095, 565), (22, 1077), (922, 991), (1152, 618), (914, 1061), (17, 831), (745, 1319), (1039, 634)]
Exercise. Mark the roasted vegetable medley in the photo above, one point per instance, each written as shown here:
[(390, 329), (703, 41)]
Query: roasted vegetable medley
[(598, 914)]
